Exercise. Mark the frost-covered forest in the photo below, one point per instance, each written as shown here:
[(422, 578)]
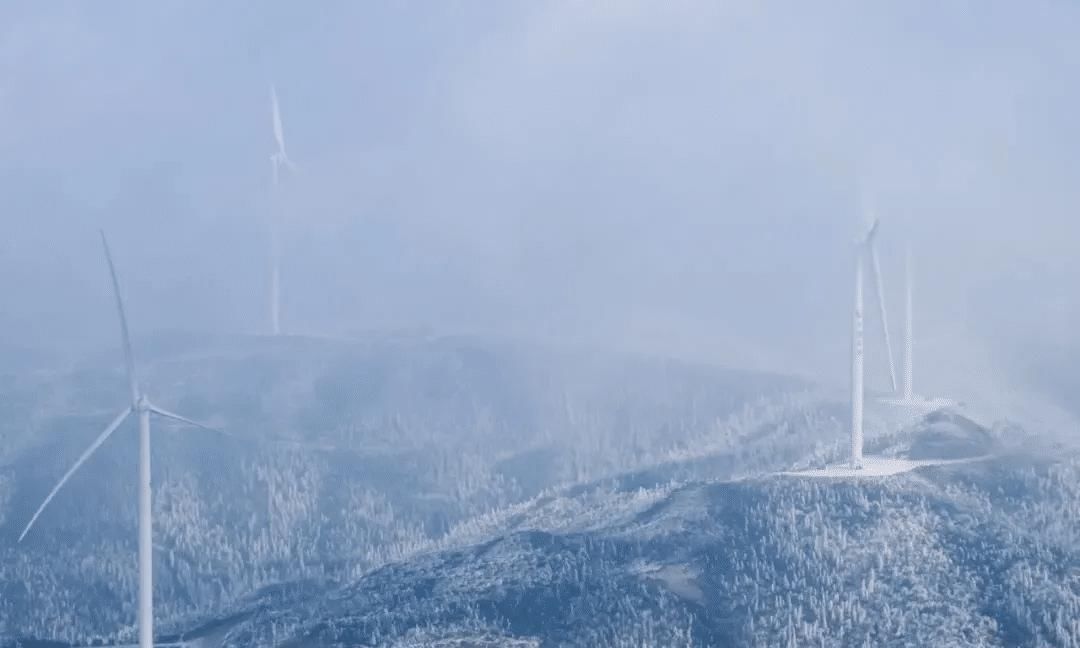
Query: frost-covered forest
[(337, 458), (537, 324), (984, 554), (406, 492)]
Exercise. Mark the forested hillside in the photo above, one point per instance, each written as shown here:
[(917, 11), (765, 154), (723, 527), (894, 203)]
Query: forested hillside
[(985, 553), (338, 457)]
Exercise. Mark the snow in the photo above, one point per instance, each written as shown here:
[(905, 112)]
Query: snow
[(879, 467), (900, 413), (680, 579), (919, 405)]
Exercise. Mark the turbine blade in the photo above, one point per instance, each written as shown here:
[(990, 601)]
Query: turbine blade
[(71, 471), (129, 358), (879, 288), (183, 419), (279, 133)]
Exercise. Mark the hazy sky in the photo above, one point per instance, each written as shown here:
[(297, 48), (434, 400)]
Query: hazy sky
[(683, 177)]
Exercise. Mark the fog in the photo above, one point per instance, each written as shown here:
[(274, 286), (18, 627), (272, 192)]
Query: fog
[(682, 178)]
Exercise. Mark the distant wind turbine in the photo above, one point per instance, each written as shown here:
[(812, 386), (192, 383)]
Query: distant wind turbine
[(883, 316), (866, 247), (870, 466), (278, 160), (907, 398), (908, 339), (142, 407), (857, 394)]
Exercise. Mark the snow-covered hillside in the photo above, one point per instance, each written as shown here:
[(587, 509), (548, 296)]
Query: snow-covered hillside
[(340, 456), (977, 554)]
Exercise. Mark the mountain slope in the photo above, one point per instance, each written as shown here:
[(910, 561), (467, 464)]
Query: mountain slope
[(985, 553), (340, 456)]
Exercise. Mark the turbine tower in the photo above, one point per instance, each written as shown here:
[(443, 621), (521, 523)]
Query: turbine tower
[(278, 160), (857, 363), (909, 393), (142, 407), (857, 393)]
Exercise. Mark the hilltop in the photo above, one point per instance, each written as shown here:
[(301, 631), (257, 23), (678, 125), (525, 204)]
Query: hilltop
[(979, 554), (341, 455)]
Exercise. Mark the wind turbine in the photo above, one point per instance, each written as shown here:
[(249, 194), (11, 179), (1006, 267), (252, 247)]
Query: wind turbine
[(907, 398), (908, 339), (866, 247), (857, 349), (278, 160), (141, 407), (883, 316)]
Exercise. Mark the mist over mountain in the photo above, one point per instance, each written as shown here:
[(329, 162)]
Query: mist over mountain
[(540, 331), (683, 180), (407, 491), (338, 456)]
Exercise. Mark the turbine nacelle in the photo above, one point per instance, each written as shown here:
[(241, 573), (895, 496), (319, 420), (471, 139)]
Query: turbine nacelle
[(280, 159), (871, 232), (866, 238)]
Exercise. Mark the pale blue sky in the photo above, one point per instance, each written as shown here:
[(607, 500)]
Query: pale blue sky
[(683, 177)]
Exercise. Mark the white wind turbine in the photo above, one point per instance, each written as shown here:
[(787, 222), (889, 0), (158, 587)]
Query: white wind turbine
[(871, 466), (857, 355), (865, 247), (278, 160), (883, 316), (142, 407), (907, 398)]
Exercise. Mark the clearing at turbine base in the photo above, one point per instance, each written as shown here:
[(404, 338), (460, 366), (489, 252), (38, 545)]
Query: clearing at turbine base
[(142, 407)]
